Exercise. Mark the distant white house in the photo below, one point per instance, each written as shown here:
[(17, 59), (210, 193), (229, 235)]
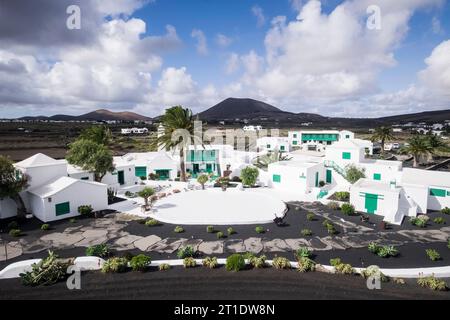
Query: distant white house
[(252, 128), (126, 131), (317, 140), (273, 143)]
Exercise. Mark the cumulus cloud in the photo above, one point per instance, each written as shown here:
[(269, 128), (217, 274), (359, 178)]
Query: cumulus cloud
[(258, 12), (202, 46), (296, 4), (223, 41), (436, 76)]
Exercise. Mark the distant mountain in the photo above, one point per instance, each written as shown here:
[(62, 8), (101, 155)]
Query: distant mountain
[(427, 116), (98, 115)]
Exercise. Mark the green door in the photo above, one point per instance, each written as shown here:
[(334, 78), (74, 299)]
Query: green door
[(371, 204), (163, 174), (196, 168), (209, 168), (141, 172), (62, 208), (317, 179), (329, 176), (121, 177)]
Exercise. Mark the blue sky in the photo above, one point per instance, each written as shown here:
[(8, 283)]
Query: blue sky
[(146, 55)]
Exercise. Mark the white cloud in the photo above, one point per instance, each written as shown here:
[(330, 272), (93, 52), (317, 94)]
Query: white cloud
[(296, 4), (259, 14), (436, 26), (232, 64), (436, 76), (223, 41), (202, 45)]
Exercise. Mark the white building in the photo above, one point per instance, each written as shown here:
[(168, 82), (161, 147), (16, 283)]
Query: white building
[(252, 128), (143, 164), (317, 140), (269, 144), (126, 131)]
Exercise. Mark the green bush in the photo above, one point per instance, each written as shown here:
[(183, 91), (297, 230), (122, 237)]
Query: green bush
[(335, 261), (249, 176), (99, 250), (45, 227), (281, 263), (185, 252), (321, 183), (353, 174), (387, 251), (433, 254), (374, 271), (128, 255), (260, 230), (303, 252), (230, 231), (152, 223), (432, 283), (446, 210), (342, 195), (235, 262), (164, 267), (220, 235), (306, 264), (420, 221), (178, 229), (439, 220), (210, 262), (73, 220), (202, 179), (333, 205), (115, 265), (85, 210), (210, 229), (348, 209), (13, 225), (15, 232), (310, 216), (306, 232), (189, 262), (344, 268), (140, 262), (258, 262), (48, 271), (373, 247), (331, 229)]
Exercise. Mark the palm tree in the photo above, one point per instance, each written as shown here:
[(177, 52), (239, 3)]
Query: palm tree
[(178, 133), (382, 134), (417, 147), (12, 182), (262, 162), (435, 144)]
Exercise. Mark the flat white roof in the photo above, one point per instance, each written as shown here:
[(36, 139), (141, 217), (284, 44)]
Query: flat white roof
[(375, 185), (71, 169), (426, 177), (296, 164), (39, 160), (58, 185), (316, 131)]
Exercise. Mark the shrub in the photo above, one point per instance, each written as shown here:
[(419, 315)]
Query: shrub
[(448, 243), (47, 272), (420, 221), (306, 264), (260, 230), (306, 232), (433, 254), (220, 235), (432, 283), (164, 267), (342, 195), (230, 231), (189, 262), (235, 262), (178, 229), (249, 176), (353, 174), (152, 223), (100, 250), (344, 268), (210, 262), (333, 205), (210, 229), (202, 179), (310, 216), (439, 220), (13, 225), (335, 261), (374, 271), (303, 252), (115, 265), (387, 251), (45, 227), (446, 210), (321, 183), (348, 209), (281, 263), (140, 262), (258, 262), (128, 256), (15, 232), (85, 210), (73, 220), (185, 252), (130, 194)]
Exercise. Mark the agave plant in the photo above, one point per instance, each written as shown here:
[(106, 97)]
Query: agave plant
[(262, 162)]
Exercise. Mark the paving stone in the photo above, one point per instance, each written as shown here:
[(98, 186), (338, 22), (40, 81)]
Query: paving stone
[(73, 229), (144, 243), (125, 242), (276, 245), (95, 233), (194, 243), (294, 244), (13, 250), (355, 242), (168, 245), (335, 243), (316, 244), (425, 235), (211, 247), (253, 245), (234, 246), (36, 246), (62, 240)]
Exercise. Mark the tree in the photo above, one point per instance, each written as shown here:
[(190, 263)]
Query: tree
[(202, 179), (263, 162), (435, 145), (417, 147), (249, 176), (353, 174), (99, 134), (382, 134), (146, 193), (12, 183), (91, 156), (178, 133)]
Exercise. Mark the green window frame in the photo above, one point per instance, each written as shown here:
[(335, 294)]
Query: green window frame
[(62, 208), (140, 172), (282, 148), (346, 155), (268, 146), (295, 136), (438, 192), (347, 136), (276, 178), (85, 178), (294, 142), (377, 176)]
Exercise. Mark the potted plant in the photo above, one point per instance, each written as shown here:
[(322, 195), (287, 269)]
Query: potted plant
[(223, 181)]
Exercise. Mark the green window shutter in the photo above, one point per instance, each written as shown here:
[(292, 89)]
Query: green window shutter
[(62, 208), (346, 155), (377, 176), (329, 177), (282, 148), (85, 178), (268, 146), (140, 171), (294, 142), (276, 178), (437, 192), (295, 136), (347, 136)]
